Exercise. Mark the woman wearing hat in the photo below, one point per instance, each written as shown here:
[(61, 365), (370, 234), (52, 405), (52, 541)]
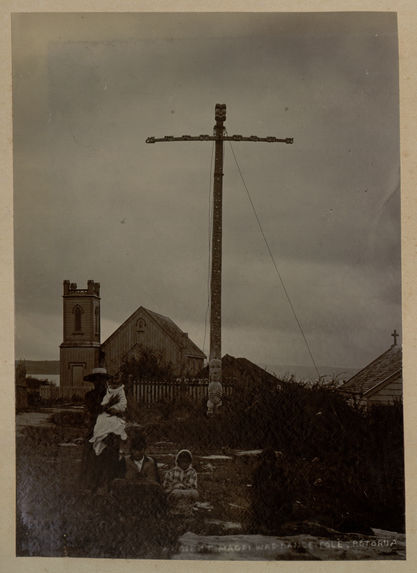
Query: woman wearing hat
[(97, 471)]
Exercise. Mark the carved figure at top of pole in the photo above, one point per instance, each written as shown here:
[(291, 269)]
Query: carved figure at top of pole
[(220, 112)]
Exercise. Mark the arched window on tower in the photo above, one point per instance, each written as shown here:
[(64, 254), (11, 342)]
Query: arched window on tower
[(77, 311)]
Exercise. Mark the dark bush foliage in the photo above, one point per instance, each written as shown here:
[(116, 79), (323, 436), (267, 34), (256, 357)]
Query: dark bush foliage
[(357, 478), (148, 365), (339, 466)]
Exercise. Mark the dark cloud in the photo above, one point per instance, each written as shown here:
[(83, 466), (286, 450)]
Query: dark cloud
[(92, 200)]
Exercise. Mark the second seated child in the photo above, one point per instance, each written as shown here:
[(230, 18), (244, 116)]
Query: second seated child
[(180, 482)]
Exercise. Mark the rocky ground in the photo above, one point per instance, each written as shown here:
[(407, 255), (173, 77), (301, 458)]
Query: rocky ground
[(56, 518)]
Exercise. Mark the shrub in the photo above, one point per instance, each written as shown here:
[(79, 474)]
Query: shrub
[(357, 478)]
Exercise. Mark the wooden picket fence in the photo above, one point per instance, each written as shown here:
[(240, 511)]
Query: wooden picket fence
[(152, 391)]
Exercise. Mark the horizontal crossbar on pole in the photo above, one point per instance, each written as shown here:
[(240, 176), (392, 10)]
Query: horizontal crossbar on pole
[(255, 138)]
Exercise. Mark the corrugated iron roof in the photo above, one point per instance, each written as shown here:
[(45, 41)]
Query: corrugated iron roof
[(379, 370)]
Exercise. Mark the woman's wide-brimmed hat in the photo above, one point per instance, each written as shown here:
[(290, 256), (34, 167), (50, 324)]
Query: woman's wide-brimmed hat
[(97, 374)]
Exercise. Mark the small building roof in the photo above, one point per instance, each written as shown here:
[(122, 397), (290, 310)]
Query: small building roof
[(383, 369), (242, 369)]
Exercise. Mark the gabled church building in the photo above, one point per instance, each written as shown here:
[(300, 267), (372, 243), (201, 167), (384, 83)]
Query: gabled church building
[(82, 350), (145, 328)]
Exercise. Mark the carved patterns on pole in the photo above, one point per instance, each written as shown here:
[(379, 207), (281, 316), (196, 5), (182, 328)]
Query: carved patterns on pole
[(215, 389)]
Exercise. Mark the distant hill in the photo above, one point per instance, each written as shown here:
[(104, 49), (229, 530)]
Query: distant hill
[(244, 370), (308, 373), (41, 366), (232, 368)]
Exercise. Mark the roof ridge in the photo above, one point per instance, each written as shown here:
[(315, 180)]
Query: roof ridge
[(180, 332), (158, 314), (123, 323)]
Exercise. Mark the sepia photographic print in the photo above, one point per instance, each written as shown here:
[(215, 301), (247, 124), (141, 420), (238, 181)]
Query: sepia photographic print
[(207, 283)]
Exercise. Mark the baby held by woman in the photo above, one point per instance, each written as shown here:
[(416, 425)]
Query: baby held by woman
[(110, 420)]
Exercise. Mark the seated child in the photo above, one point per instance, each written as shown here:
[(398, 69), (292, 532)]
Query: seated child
[(140, 493), (139, 466), (180, 482), (110, 421)]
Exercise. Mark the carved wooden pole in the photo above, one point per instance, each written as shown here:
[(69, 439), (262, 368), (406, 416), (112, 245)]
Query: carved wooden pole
[(215, 389)]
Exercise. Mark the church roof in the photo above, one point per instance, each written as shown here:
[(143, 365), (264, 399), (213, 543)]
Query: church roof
[(169, 327), (176, 333), (384, 369)]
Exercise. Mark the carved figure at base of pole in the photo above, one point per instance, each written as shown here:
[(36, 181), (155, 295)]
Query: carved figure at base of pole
[(215, 388)]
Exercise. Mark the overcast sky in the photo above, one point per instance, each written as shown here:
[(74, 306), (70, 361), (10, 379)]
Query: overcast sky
[(93, 201)]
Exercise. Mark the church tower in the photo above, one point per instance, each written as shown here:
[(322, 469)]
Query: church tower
[(80, 349)]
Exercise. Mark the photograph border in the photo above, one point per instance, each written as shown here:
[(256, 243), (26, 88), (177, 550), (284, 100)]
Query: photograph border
[(407, 24)]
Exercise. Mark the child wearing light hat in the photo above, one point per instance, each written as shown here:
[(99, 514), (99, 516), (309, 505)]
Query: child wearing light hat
[(180, 483)]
